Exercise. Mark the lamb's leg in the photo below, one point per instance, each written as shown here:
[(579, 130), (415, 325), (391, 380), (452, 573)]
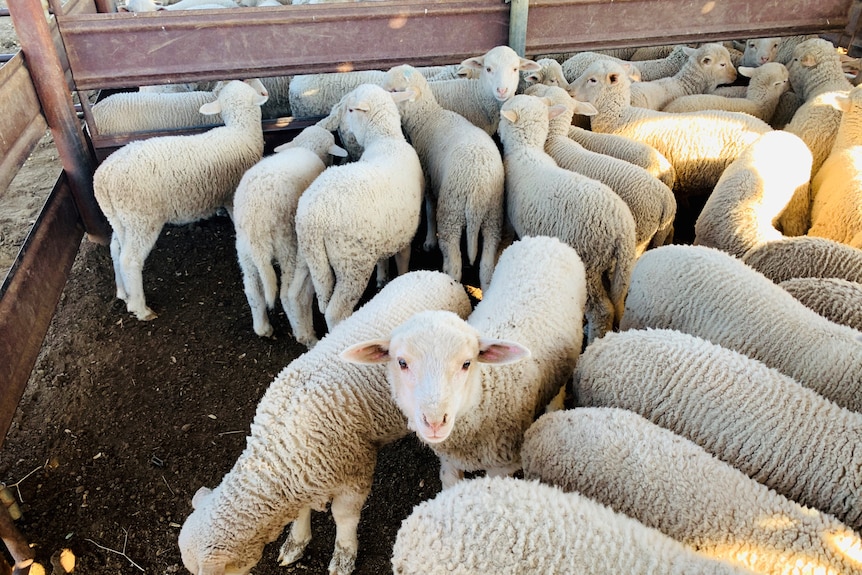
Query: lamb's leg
[(297, 540), (490, 247), (402, 260), (382, 272), (253, 288), (345, 508), (449, 474), (135, 249), (116, 250), (450, 247), (349, 286), (298, 305), (599, 310), (431, 220)]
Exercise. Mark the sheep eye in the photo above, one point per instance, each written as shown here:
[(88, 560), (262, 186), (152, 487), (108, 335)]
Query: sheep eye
[(350, 110), (751, 44), (402, 364), (466, 365), (488, 69)]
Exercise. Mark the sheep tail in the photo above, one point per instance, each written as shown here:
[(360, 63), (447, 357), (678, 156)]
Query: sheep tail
[(313, 248), (620, 281), (473, 227)]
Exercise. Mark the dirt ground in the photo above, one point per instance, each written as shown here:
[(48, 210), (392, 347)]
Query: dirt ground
[(122, 421)]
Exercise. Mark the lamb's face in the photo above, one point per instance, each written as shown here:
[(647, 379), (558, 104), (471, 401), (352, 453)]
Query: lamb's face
[(759, 51), (714, 60), (500, 71), (598, 79)]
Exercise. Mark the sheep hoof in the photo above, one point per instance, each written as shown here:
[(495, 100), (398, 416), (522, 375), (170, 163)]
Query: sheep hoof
[(264, 331), (146, 315), (291, 551), (343, 561)]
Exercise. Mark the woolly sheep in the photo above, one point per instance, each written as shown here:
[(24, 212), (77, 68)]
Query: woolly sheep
[(706, 68), (479, 100), (789, 258), (667, 482), (152, 6), (767, 84), (699, 145), (627, 149), (663, 66), (835, 299), (743, 208), (264, 209), (545, 199), (779, 433), (711, 294), (314, 439), (759, 51), (816, 78), (125, 112), (836, 206), (549, 74), (464, 175), (652, 203), (175, 179), (357, 214), (509, 526), (470, 389), (578, 63)]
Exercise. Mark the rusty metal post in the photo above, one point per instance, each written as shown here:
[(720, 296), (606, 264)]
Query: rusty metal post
[(16, 544), (518, 11), (34, 34)]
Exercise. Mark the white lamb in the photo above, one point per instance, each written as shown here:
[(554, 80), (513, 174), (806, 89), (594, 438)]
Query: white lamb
[(577, 64), (699, 145), (464, 175), (357, 214), (816, 78), (314, 439), (315, 94), (175, 179), (766, 85), (711, 294), (667, 482), (762, 422), (479, 100), (625, 148), (456, 381), (545, 199), (509, 526), (152, 6), (549, 74), (805, 256), (652, 203), (264, 210), (126, 112), (743, 208), (835, 299), (707, 67), (759, 51), (836, 206)]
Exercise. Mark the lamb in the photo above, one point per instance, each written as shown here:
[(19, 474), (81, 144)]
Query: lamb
[(479, 100), (767, 84), (126, 112), (576, 65), (357, 214), (836, 207), (743, 208), (549, 74), (816, 78), (175, 179), (699, 145), (759, 51), (706, 68), (662, 66), (652, 203), (510, 527), (669, 483), (464, 175), (264, 210), (711, 294), (625, 148), (152, 6), (762, 422), (452, 379), (835, 299), (545, 199), (315, 94), (314, 439), (805, 256)]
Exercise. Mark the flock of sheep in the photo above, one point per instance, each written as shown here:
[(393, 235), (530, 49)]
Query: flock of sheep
[(718, 386)]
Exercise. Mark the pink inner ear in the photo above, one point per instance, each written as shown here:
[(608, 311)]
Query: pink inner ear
[(499, 352)]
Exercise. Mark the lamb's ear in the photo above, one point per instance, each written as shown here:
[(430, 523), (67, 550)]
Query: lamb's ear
[(632, 71), (840, 102), (501, 351), (584, 108), (474, 63), (338, 151), (534, 78), (200, 496), (210, 108), (407, 95), (510, 115), (556, 110), (529, 65), (746, 71), (808, 61), (367, 352), (362, 106), (689, 50), (283, 146)]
